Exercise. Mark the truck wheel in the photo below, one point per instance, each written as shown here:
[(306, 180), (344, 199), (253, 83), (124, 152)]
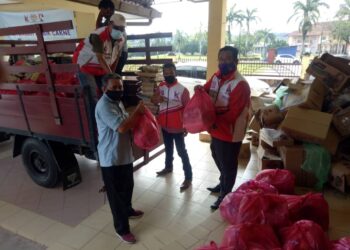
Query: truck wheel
[(40, 163)]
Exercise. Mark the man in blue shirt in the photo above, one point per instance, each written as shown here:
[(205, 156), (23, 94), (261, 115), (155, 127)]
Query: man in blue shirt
[(115, 153)]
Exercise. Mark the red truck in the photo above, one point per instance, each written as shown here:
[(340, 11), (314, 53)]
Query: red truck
[(53, 119)]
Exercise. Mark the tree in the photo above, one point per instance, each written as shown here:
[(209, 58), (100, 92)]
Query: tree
[(233, 16), (266, 37), (179, 40), (277, 44), (341, 31), (250, 17), (308, 15), (344, 11)]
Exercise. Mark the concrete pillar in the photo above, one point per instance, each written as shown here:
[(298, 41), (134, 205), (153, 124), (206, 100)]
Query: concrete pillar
[(216, 33)]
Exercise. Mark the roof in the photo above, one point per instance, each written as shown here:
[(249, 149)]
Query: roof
[(138, 9), (317, 29)]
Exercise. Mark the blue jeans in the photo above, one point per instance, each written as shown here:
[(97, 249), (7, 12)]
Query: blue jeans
[(179, 139)]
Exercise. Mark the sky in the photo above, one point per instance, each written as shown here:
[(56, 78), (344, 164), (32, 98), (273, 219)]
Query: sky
[(189, 17)]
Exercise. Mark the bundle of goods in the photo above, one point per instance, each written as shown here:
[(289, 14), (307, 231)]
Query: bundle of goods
[(149, 77)]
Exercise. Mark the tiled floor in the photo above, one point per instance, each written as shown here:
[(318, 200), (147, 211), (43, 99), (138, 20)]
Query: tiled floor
[(172, 220)]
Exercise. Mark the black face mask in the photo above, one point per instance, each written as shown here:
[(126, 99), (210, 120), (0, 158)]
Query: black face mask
[(115, 95), (169, 79)]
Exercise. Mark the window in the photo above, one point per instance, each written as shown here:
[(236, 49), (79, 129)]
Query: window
[(186, 71), (201, 72)]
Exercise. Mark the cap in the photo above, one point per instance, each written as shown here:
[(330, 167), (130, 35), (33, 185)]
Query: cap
[(118, 20)]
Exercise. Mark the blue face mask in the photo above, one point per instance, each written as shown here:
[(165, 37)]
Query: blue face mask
[(227, 68), (116, 34)]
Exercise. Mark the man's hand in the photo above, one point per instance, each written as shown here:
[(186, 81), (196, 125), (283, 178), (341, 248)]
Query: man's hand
[(198, 87), (140, 109), (156, 99)]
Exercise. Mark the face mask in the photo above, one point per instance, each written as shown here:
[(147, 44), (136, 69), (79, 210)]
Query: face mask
[(169, 79), (115, 95), (116, 34), (226, 68)]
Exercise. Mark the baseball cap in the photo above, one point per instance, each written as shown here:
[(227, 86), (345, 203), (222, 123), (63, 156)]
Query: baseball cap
[(118, 20)]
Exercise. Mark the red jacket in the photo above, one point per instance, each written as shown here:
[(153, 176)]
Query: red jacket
[(171, 111), (231, 96)]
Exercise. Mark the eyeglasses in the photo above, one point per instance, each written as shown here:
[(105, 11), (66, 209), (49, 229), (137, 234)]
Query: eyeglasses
[(121, 28)]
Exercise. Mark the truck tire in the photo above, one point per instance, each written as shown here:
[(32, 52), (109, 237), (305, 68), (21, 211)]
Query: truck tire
[(40, 163)]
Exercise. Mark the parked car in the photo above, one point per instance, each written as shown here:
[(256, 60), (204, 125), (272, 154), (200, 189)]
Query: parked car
[(194, 73), (285, 58)]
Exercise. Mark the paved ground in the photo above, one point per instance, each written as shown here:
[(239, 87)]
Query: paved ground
[(11, 241)]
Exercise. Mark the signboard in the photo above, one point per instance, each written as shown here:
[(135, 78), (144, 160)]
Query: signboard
[(12, 19)]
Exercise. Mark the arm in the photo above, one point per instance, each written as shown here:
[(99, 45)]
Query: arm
[(119, 122), (130, 122), (185, 98), (99, 20), (239, 99), (157, 98)]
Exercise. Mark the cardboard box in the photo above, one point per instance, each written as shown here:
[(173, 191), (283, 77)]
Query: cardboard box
[(271, 116), (307, 125), (341, 176), (257, 103), (254, 124), (309, 96), (244, 152), (341, 121), (268, 157), (275, 138), (331, 76), (293, 158), (332, 141)]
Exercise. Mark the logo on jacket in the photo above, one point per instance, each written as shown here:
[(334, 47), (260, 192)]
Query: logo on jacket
[(228, 90), (176, 95)]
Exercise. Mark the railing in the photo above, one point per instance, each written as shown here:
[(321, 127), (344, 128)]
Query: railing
[(258, 68)]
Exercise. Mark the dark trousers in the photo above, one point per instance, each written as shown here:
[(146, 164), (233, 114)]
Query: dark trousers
[(122, 60), (179, 139), (225, 155), (119, 184)]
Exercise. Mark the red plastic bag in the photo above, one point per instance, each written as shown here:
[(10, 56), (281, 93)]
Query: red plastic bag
[(302, 235), (229, 207), (213, 246), (311, 206), (146, 131), (199, 114), (250, 236), (281, 179), (341, 244), (255, 208), (258, 186)]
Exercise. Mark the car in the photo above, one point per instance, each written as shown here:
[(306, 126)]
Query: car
[(191, 74), (286, 58)]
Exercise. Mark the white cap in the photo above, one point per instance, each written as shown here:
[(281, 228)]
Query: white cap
[(118, 20)]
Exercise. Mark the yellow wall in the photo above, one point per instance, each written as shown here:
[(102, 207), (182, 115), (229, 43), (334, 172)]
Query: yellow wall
[(216, 33), (85, 16)]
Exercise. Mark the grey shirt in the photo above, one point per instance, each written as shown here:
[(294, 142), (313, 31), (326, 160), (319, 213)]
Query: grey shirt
[(114, 148)]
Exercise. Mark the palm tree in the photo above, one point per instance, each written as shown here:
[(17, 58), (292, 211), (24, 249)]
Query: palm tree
[(233, 16), (308, 15), (250, 17), (344, 11)]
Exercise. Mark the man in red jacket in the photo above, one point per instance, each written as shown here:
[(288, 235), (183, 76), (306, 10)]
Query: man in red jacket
[(231, 95), (172, 98)]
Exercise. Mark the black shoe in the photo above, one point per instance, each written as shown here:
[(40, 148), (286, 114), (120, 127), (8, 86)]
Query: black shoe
[(216, 204), (215, 189), (164, 171)]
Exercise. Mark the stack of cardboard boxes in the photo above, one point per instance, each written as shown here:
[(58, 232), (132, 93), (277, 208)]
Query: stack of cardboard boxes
[(316, 111)]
